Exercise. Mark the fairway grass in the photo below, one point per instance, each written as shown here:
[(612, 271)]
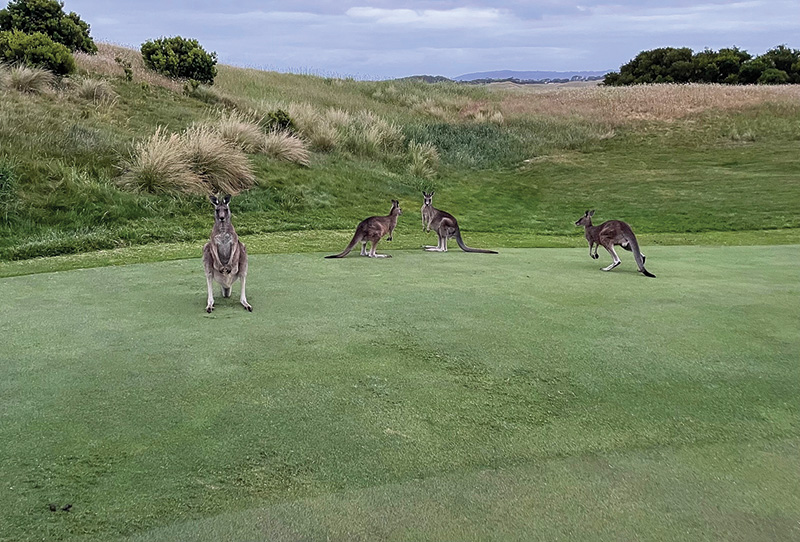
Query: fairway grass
[(428, 396)]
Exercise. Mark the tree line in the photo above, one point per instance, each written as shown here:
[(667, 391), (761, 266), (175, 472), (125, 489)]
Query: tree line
[(731, 66)]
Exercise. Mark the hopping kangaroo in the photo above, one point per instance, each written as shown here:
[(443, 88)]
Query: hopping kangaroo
[(373, 229), (445, 225), (224, 256), (608, 234)]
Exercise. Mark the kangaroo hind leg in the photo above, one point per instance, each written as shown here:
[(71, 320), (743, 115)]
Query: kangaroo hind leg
[(614, 257)]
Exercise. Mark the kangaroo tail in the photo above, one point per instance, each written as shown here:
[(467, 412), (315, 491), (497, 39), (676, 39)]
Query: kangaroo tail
[(637, 254), (465, 248), (346, 251)]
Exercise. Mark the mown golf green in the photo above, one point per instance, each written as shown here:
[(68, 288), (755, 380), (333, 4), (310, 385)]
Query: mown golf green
[(526, 395)]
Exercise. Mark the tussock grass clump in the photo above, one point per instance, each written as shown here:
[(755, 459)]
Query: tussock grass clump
[(197, 161), (160, 164), (223, 167), (27, 79), (285, 146), (424, 159), (371, 135), (97, 91), (242, 130)]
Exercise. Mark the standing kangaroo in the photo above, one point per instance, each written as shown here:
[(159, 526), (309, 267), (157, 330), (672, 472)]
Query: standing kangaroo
[(608, 234), (373, 229), (224, 256), (445, 225)]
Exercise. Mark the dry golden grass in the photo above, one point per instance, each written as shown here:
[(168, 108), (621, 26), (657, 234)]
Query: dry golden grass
[(197, 161), (618, 105), (160, 164), (223, 167), (285, 146), (104, 63), (240, 129)]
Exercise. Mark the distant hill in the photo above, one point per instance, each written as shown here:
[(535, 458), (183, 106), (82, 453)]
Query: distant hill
[(531, 76), (426, 78)]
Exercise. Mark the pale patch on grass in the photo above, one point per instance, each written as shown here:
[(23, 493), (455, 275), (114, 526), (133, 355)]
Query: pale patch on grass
[(617, 105), (285, 146), (27, 79), (160, 164)]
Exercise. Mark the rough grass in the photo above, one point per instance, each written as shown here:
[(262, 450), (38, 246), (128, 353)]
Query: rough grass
[(510, 394), (104, 63)]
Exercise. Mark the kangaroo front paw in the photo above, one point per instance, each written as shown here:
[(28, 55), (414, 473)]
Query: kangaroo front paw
[(247, 306), (209, 308)]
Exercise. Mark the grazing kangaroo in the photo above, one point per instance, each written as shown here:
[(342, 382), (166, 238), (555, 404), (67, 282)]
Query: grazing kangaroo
[(373, 229), (445, 225), (608, 234), (224, 256)]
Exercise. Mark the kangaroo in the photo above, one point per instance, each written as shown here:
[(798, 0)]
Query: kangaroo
[(608, 234), (224, 256), (445, 225), (373, 229)]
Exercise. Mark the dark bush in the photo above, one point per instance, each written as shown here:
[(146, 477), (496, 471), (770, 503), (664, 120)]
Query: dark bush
[(773, 76), (35, 50), (730, 66), (180, 58), (48, 17), (279, 120)]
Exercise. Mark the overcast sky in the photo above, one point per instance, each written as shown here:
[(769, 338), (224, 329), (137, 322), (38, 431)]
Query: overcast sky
[(387, 39)]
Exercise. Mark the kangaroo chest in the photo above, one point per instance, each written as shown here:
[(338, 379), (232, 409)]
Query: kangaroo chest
[(224, 242)]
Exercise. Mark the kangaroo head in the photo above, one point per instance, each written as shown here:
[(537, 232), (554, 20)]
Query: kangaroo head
[(428, 198), (222, 212), (396, 205), (586, 219)]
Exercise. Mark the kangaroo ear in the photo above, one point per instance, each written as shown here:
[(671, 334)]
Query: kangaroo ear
[(213, 199), (227, 199), (432, 193), (591, 213)]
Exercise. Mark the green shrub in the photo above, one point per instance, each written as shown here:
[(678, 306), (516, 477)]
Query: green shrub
[(279, 120), (48, 17), (37, 49), (773, 76), (180, 58)]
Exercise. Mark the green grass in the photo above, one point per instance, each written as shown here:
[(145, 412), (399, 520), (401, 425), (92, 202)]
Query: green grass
[(442, 396)]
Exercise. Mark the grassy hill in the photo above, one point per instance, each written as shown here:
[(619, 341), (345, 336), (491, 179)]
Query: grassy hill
[(670, 160)]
